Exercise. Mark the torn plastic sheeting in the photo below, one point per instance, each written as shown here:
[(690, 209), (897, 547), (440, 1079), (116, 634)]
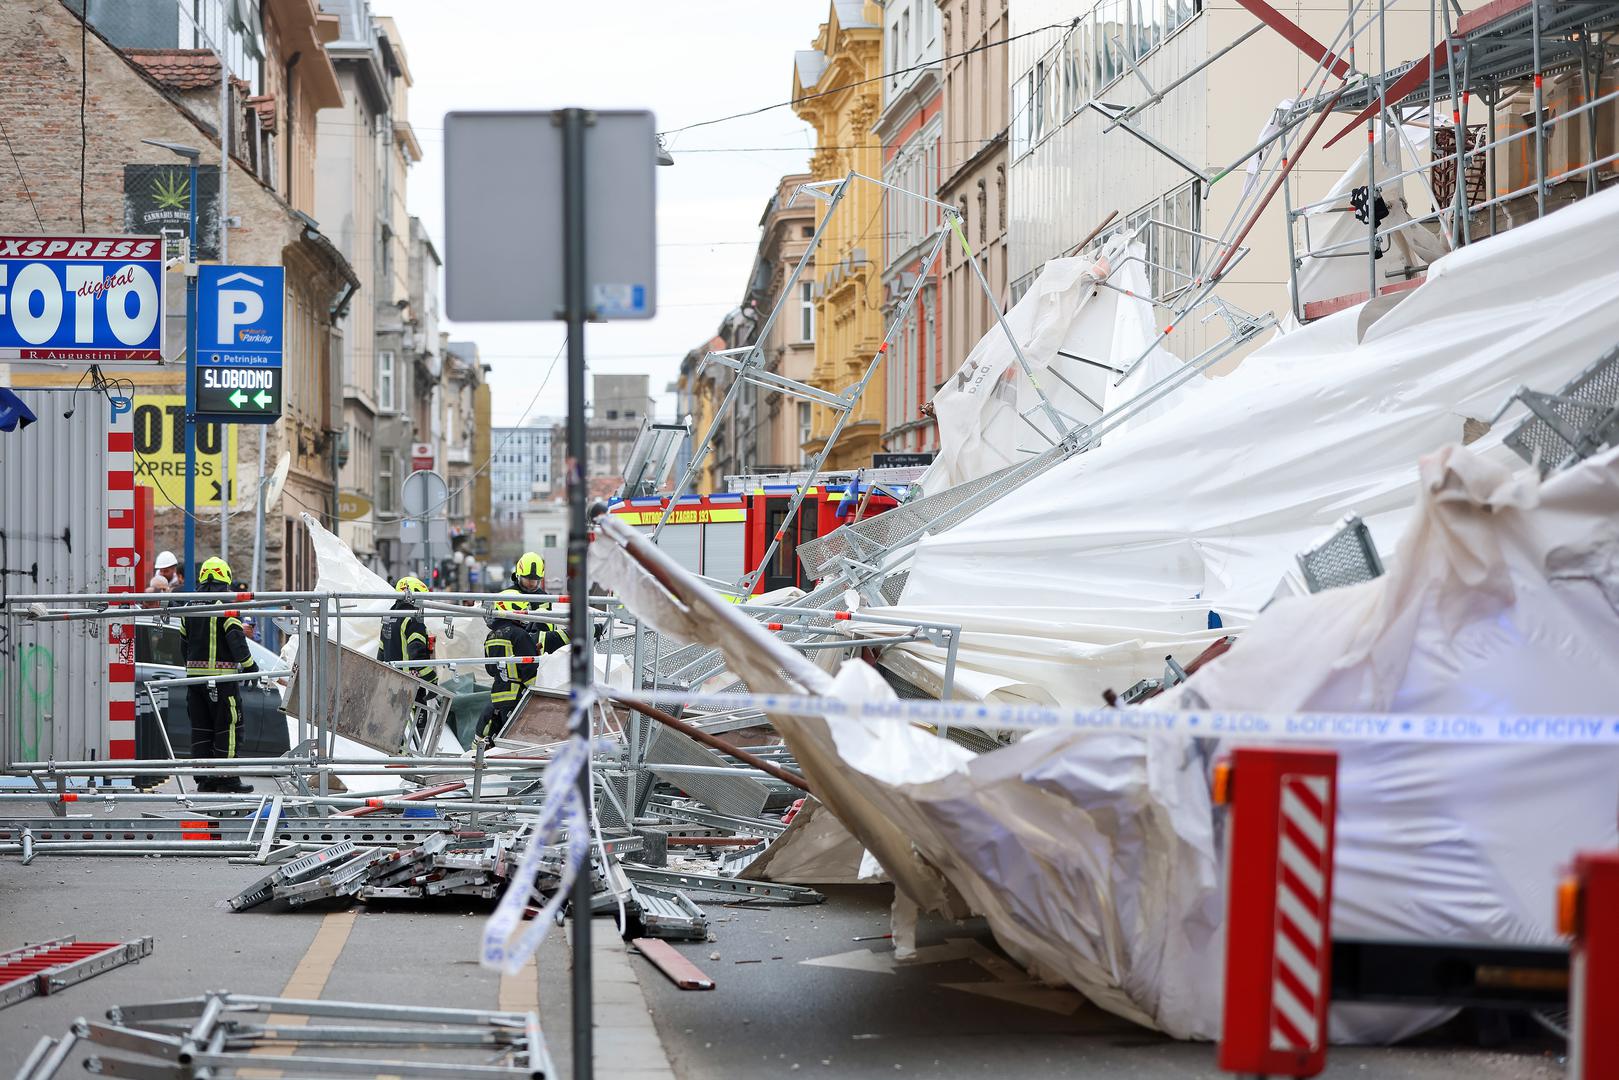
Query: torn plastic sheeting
[(816, 849), (1077, 883), (1064, 311), (1500, 599), (692, 612), (1215, 498)]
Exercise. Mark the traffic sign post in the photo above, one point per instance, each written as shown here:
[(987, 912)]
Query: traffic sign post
[(524, 243)]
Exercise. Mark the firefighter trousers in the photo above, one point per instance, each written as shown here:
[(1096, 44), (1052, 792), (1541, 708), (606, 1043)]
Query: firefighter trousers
[(493, 718), (216, 723)]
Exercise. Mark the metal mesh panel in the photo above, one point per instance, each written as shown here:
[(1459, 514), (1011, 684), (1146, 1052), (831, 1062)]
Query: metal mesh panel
[(863, 539), (1587, 416), (894, 585), (1347, 557)]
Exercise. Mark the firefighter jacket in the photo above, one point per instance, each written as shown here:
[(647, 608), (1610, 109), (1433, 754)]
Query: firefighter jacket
[(508, 637), (215, 645), (406, 639)]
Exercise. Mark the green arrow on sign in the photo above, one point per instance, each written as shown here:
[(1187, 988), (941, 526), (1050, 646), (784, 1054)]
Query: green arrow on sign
[(262, 399), (238, 399)]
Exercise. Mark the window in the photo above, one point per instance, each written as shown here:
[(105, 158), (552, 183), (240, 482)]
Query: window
[(550, 540), (807, 232), (806, 311), (612, 414), (601, 453), (803, 426), (385, 483), (385, 380)]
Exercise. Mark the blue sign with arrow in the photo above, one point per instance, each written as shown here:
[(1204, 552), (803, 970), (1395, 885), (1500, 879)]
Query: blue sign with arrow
[(239, 341)]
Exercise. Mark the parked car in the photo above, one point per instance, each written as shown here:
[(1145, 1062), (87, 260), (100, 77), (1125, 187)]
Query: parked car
[(158, 658)]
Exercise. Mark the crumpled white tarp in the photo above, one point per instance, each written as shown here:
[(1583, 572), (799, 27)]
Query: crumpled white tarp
[(1205, 507), (1502, 598), (1065, 311), (337, 570)]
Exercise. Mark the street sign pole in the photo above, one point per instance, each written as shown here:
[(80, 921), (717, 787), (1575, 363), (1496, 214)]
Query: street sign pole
[(191, 385), (574, 273)]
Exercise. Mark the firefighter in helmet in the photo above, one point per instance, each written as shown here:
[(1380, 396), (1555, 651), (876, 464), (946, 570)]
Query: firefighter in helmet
[(508, 638), (405, 637), (215, 645)]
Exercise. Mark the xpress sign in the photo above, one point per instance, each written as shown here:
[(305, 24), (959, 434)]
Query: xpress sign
[(87, 299)]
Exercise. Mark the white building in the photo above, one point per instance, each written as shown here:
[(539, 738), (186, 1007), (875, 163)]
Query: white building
[(519, 475), (545, 531)]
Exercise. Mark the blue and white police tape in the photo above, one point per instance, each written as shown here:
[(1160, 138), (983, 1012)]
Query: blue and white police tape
[(1543, 728), (562, 809)]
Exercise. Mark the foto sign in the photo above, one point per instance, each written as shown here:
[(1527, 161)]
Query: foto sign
[(84, 299), (239, 333), (503, 216)]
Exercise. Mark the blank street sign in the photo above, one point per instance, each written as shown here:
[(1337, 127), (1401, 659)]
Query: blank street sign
[(503, 216)]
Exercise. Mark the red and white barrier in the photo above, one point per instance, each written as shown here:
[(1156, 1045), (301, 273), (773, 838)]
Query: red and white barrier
[(1278, 971), (123, 575)]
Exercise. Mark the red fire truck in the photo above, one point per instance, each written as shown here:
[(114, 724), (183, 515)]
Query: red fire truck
[(724, 535)]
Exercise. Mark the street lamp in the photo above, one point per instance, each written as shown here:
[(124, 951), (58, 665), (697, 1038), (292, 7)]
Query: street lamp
[(191, 154)]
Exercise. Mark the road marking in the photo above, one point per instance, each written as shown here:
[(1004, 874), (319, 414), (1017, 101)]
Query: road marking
[(521, 992), (308, 979)]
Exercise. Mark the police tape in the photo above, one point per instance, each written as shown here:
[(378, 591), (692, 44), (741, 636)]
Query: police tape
[(562, 811), (1555, 728)]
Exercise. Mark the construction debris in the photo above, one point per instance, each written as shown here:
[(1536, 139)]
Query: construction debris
[(42, 970), (219, 1033)]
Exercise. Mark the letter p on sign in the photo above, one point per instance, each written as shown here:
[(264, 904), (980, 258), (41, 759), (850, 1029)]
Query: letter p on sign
[(237, 307)]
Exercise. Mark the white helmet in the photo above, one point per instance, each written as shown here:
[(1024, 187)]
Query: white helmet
[(166, 559)]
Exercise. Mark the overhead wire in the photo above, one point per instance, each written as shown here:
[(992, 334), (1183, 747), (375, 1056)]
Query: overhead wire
[(864, 82), (21, 178)]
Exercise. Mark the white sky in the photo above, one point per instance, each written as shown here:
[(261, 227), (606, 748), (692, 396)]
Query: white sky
[(685, 61)]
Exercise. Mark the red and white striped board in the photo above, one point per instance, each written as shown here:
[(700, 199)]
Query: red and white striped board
[(1303, 940), (122, 576), (1278, 977)]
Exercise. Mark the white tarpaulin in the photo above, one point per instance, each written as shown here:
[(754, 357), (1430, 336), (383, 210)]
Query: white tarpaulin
[(1074, 333), (1093, 856), (1205, 507), (1503, 598)]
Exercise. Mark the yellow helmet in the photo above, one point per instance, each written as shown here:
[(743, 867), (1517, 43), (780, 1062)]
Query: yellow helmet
[(410, 584), (215, 569), (508, 601), (529, 565)]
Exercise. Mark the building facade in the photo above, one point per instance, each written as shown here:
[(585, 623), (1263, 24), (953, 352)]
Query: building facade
[(973, 178), (911, 129), (843, 68), (365, 150), (519, 477), (151, 72), (618, 406), (785, 231)]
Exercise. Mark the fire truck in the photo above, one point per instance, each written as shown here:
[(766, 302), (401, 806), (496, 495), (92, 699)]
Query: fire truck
[(724, 535)]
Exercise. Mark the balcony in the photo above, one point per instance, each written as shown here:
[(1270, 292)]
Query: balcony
[(458, 455)]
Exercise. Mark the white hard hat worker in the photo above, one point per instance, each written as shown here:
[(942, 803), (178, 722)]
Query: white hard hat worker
[(166, 573)]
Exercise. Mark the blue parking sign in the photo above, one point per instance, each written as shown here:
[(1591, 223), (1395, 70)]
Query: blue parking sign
[(239, 340)]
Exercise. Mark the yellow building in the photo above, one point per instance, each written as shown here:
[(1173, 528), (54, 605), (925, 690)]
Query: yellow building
[(848, 263)]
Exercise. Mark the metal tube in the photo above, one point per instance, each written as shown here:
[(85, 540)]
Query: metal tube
[(191, 377), (746, 583), (761, 335), (1540, 118)]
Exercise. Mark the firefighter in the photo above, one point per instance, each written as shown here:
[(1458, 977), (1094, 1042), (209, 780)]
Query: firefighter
[(529, 577), (406, 638), (215, 645), (516, 638)]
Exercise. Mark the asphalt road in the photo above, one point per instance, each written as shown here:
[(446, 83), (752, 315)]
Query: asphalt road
[(794, 988), (780, 1005)]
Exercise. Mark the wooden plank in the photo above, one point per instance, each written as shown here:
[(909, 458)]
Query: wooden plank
[(680, 971)]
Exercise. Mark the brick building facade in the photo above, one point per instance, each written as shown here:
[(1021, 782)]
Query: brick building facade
[(127, 90)]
